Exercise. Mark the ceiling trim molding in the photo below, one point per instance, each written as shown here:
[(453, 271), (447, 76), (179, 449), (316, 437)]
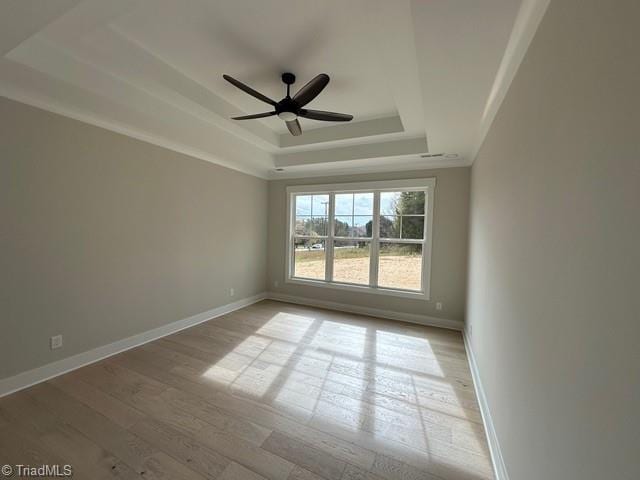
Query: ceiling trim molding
[(524, 29), (344, 131), (388, 164), (334, 156)]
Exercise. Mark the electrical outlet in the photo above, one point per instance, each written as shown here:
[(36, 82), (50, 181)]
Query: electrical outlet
[(56, 342), (232, 292), (438, 305), (276, 283)]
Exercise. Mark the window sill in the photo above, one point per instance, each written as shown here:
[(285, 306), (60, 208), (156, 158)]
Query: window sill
[(358, 288)]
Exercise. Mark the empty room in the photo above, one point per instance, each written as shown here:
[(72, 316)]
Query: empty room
[(320, 239)]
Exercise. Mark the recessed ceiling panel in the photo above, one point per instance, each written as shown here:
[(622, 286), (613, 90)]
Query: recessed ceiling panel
[(256, 41)]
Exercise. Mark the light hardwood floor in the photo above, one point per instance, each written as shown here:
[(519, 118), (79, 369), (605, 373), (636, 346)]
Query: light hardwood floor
[(272, 391)]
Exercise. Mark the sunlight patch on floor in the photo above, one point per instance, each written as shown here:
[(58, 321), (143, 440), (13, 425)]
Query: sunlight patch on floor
[(386, 339), (334, 337), (286, 326)]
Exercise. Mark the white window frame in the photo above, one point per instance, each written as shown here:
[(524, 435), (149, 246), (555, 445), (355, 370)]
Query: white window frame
[(422, 184)]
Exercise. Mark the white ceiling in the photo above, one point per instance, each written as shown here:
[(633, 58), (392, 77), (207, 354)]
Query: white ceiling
[(419, 76)]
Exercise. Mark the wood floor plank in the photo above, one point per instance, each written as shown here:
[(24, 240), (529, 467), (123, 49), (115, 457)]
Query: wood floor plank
[(109, 406), (254, 458), (272, 391), (235, 471), (392, 469), (224, 422), (182, 447), (299, 473), (355, 473), (161, 466), (305, 456)]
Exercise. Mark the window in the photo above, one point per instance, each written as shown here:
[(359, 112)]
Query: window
[(373, 236), (310, 236)]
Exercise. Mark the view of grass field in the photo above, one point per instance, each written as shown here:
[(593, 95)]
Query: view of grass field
[(400, 265)]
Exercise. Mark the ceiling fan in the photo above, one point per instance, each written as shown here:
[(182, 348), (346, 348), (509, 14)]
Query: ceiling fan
[(289, 109)]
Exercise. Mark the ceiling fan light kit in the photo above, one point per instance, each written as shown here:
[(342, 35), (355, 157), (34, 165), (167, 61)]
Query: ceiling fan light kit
[(289, 109)]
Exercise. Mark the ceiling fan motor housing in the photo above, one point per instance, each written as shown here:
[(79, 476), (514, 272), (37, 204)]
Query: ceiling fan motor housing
[(287, 109)]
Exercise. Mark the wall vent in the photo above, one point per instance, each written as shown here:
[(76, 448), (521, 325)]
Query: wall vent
[(435, 155)]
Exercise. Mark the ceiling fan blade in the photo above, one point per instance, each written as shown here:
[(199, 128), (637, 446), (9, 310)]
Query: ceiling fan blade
[(249, 90), (255, 115), (311, 90), (325, 116), (294, 127)]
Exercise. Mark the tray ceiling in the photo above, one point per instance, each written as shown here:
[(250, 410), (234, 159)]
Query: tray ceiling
[(418, 76)]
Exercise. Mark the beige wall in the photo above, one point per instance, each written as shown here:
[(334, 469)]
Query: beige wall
[(554, 276), (449, 258), (103, 236)]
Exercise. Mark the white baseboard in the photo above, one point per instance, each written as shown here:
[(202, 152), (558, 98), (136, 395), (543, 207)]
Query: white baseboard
[(499, 466), (373, 312), (45, 372)]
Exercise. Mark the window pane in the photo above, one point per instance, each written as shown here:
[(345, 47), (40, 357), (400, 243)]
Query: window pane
[(311, 226), (343, 226), (303, 204), (389, 203), (309, 258), (344, 203), (400, 266), (390, 226), (301, 224), (362, 226), (412, 203), (402, 203), (363, 204), (320, 204), (412, 227), (351, 261)]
